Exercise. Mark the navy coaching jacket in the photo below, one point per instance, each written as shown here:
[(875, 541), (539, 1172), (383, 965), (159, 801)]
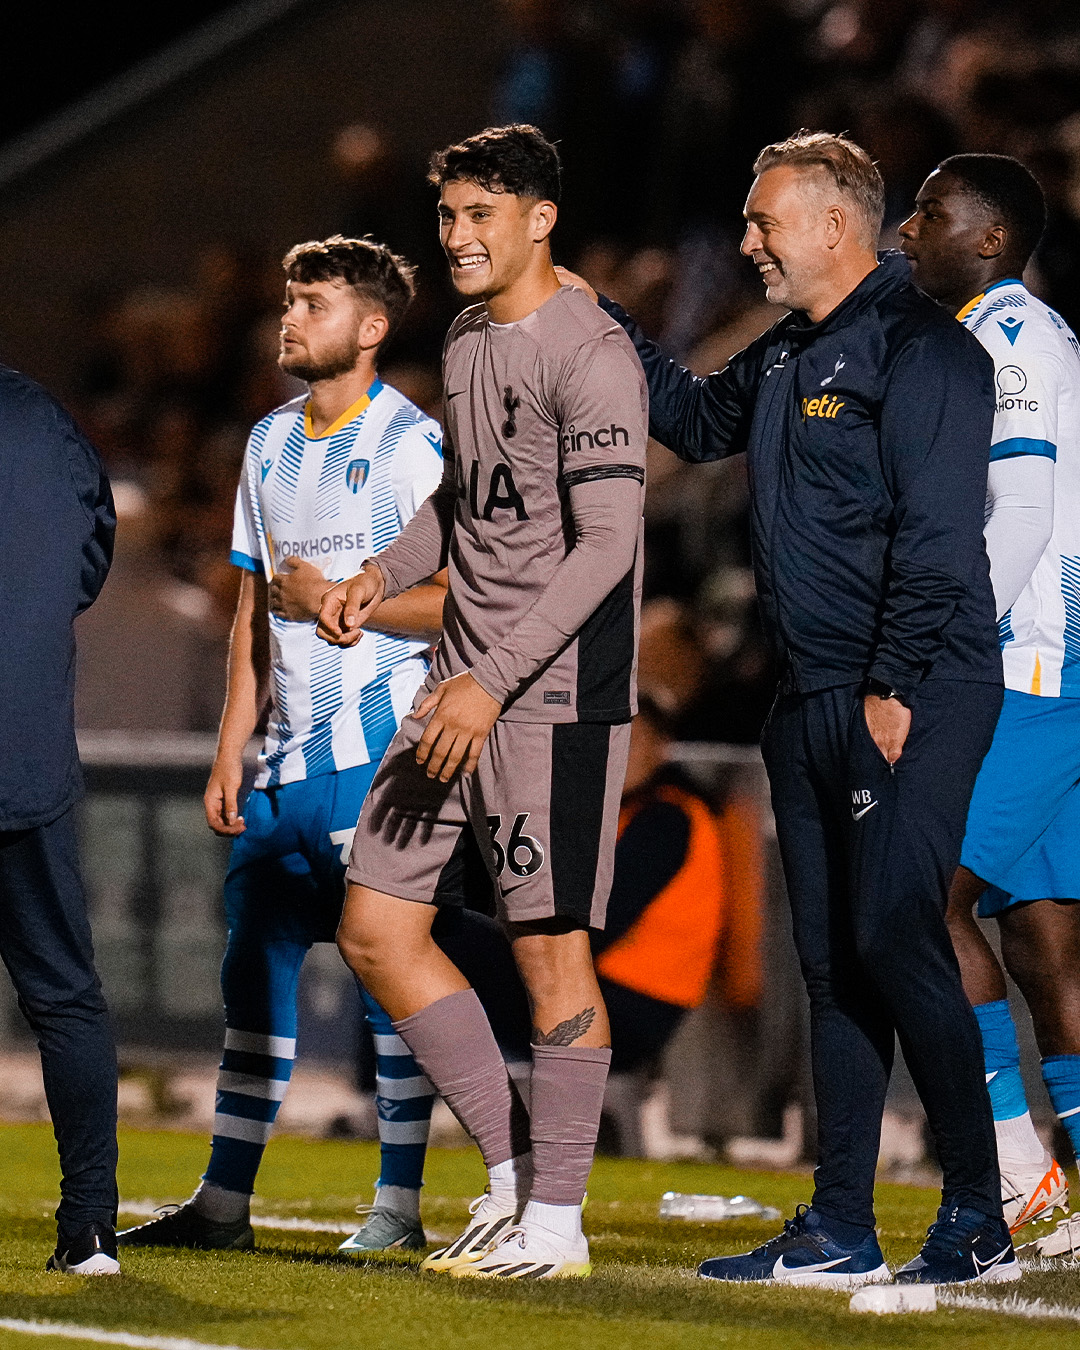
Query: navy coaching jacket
[(868, 438), (56, 539)]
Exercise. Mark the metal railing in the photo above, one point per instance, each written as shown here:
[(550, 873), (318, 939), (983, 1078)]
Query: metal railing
[(154, 876)]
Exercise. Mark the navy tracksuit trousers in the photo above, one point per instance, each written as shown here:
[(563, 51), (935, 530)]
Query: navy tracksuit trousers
[(46, 946), (868, 854)]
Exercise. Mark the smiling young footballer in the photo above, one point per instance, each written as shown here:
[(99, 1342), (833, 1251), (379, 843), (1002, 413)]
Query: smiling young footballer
[(977, 220), (518, 745), (328, 477)]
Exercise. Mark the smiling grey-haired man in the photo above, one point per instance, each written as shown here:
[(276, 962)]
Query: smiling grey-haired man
[(865, 413)]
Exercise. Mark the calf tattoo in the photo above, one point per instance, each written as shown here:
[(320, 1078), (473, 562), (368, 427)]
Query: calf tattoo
[(566, 1033)]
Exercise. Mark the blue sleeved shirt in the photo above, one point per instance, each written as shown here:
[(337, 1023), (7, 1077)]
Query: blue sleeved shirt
[(56, 539)]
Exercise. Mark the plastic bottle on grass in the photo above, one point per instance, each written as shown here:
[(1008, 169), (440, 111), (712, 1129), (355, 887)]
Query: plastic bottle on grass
[(713, 1208)]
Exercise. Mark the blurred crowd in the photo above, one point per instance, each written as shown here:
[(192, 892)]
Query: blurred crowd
[(659, 107)]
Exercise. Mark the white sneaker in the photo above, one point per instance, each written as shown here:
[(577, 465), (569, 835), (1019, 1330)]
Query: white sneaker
[(1063, 1241), (1032, 1192), (530, 1252), (92, 1251), (491, 1221)]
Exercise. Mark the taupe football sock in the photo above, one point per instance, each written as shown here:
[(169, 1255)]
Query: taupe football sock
[(567, 1097), (452, 1041)]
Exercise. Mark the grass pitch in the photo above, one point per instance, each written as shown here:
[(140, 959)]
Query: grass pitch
[(296, 1293)]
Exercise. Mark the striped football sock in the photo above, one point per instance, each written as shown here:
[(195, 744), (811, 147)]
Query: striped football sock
[(1061, 1074), (251, 1086), (404, 1098)]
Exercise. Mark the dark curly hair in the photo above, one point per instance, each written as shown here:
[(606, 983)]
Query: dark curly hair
[(1009, 191), (518, 159), (369, 268)]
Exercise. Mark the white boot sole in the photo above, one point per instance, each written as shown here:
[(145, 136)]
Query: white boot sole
[(817, 1279), (98, 1264)]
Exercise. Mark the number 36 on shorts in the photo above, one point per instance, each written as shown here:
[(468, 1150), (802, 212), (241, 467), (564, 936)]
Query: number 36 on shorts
[(521, 853)]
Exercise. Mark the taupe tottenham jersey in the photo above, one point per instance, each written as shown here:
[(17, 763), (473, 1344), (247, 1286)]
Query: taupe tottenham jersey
[(539, 512)]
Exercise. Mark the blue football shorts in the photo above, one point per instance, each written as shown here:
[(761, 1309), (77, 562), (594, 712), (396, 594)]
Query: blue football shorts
[(1023, 826), (286, 871)]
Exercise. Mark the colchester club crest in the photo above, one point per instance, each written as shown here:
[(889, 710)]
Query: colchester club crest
[(356, 474)]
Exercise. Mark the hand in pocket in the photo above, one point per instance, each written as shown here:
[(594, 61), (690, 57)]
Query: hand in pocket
[(888, 722)]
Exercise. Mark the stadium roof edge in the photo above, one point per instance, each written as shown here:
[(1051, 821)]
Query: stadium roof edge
[(148, 78)]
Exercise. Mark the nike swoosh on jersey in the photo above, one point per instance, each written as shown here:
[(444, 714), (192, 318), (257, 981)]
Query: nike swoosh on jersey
[(779, 1270), (858, 815)]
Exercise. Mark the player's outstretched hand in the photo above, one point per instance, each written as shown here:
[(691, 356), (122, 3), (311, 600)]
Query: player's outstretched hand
[(219, 799), (462, 715), (297, 590), (347, 605), (568, 278)]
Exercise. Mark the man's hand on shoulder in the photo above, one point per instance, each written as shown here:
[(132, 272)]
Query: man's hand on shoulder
[(346, 606), (462, 715), (297, 590), (568, 278), (220, 798)]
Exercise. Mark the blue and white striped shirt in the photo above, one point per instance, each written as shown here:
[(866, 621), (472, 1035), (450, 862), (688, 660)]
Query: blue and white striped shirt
[(333, 501), (1037, 422)]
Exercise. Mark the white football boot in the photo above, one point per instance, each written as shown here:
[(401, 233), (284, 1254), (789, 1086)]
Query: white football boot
[(530, 1252), (490, 1222), (1033, 1192), (1063, 1241)]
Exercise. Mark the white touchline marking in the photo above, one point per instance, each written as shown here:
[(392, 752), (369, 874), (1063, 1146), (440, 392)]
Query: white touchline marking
[(73, 1332), (1013, 1306), (146, 1209)]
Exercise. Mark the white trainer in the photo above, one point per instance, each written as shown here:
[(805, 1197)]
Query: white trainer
[(490, 1222), (92, 1251), (530, 1252), (1063, 1241), (1030, 1193)]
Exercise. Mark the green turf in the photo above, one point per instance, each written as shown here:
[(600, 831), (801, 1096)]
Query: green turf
[(295, 1293)]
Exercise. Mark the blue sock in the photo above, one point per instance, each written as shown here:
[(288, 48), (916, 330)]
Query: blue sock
[(404, 1099), (1061, 1074), (1001, 1056)]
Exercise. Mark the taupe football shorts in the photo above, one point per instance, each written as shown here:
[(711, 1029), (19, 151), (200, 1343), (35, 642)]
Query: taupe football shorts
[(541, 811)]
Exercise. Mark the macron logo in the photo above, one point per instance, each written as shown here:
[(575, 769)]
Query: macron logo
[(1011, 328)]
